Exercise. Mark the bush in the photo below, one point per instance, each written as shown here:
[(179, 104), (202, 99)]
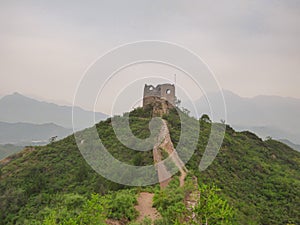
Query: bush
[(211, 208)]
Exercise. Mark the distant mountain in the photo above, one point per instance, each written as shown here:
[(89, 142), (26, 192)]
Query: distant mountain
[(272, 132), (291, 144), (266, 115), (19, 108), (27, 134)]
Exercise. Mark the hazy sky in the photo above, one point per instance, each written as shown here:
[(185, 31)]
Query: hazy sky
[(252, 46)]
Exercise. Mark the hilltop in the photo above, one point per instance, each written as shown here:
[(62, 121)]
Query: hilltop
[(259, 179)]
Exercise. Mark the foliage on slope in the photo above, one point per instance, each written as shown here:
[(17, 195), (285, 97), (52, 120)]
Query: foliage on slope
[(36, 175), (8, 149), (210, 207), (76, 209), (260, 179)]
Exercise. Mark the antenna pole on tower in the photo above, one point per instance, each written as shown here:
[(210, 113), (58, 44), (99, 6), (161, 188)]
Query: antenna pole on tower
[(175, 78)]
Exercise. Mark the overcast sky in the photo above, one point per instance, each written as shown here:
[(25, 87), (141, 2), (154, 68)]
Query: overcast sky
[(252, 46)]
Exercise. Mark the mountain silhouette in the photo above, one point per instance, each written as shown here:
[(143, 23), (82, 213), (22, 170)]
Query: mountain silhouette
[(16, 108), (273, 116)]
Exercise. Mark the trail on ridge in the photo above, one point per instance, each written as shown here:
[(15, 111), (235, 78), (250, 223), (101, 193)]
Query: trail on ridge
[(164, 143), (144, 207)]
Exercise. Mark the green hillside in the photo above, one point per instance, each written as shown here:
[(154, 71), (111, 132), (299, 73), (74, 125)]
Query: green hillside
[(260, 179), (8, 149)]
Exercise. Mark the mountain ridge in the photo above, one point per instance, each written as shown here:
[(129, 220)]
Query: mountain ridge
[(266, 111), (19, 108), (21, 133)]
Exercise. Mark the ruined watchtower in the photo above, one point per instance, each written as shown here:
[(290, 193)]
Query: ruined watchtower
[(162, 97)]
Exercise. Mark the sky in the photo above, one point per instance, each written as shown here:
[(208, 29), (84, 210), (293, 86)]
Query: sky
[(252, 47)]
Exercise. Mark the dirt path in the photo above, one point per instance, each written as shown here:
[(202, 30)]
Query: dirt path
[(113, 222), (144, 207), (145, 199)]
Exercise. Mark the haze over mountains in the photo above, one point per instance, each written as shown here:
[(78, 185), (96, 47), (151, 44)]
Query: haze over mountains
[(24, 120), (27, 133), (19, 108), (274, 116)]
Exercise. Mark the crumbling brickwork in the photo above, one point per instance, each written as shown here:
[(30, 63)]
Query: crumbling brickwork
[(161, 98)]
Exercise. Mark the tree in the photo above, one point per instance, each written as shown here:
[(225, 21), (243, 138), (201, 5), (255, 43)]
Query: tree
[(52, 139), (177, 102), (211, 208), (93, 212), (205, 118), (185, 111)]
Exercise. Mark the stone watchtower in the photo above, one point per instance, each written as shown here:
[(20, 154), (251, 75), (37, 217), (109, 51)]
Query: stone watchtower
[(161, 98)]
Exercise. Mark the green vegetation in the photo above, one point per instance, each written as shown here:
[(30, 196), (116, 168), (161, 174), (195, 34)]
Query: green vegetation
[(258, 181), (211, 208), (78, 210), (8, 149), (92, 212), (169, 202), (34, 177)]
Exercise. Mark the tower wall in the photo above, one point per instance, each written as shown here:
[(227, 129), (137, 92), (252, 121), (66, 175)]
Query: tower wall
[(167, 92), (161, 98), (162, 91)]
